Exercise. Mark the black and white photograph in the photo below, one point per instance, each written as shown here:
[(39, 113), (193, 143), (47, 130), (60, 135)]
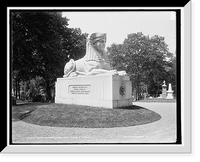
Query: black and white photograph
[(96, 76)]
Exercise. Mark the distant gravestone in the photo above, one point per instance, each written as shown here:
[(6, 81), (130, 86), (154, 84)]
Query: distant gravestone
[(170, 92), (164, 90)]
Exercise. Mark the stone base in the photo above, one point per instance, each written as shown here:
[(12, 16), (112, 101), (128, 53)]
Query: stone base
[(170, 95), (107, 91), (164, 95)]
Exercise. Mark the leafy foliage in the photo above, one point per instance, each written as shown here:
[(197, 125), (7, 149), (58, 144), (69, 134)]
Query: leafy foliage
[(145, 59), (42, 44), (36, 90)]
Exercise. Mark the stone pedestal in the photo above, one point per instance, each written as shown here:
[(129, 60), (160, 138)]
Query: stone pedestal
[(107, 91), (164, 91)]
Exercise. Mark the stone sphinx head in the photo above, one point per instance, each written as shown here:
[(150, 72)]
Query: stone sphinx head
[(98, 41)]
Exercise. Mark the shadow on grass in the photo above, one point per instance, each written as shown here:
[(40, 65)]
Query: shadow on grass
[(25, 114), (132, 107), (27, 103), (22, 108), (62, 115)]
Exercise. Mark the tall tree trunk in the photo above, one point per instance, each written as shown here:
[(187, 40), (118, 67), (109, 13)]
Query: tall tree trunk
[(138, 87), (48, 90), (18, 88), (15, 88), (138, 90)]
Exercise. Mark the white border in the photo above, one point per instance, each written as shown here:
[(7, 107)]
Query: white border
[(122, 148), (182, 77), (186, 73)]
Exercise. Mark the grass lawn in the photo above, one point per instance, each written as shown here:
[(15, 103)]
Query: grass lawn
[(62, 115)]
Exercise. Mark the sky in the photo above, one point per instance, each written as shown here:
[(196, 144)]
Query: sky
[(117, 25)]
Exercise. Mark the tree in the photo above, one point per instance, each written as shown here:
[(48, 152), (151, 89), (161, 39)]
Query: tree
[(144, 58), (36, 89), (74, 43), (171, 73), (42, 44), (116, 55)]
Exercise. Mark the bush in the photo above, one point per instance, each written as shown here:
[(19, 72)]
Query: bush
[(37, 98)]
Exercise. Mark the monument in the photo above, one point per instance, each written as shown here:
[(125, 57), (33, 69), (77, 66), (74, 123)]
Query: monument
[(91, 81), (164, 90), (170, 92)]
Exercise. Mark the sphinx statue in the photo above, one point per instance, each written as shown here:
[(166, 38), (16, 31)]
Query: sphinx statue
[(95, 61)]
